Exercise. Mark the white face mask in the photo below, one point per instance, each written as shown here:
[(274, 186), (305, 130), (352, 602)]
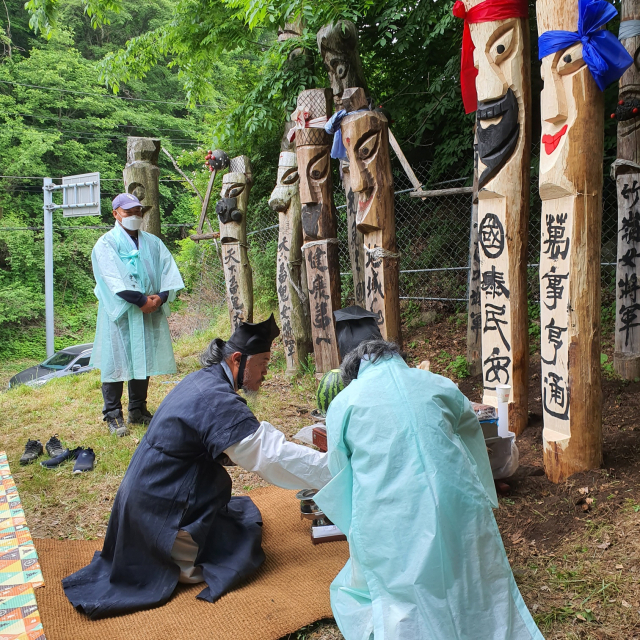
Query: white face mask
[(132, 223)]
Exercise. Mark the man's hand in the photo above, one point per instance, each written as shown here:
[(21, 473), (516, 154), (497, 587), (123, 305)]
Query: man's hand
[(153, 302)]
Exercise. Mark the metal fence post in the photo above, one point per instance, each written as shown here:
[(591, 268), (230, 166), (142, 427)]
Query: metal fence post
[(48, 263)]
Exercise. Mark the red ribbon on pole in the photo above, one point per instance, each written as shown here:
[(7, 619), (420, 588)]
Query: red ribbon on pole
[(486, 11)]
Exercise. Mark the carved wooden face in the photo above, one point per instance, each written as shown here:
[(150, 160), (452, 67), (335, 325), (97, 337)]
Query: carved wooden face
[(498, 56), (366, 137), (315, 183), (232, 207), (338, 45), (628, 113), (287, 185), (561, 72)]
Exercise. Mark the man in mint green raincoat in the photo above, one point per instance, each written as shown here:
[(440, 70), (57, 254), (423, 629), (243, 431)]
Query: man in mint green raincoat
[(413, 491), (136, 278)]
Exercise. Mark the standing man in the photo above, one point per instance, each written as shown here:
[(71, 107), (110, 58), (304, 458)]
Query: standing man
[(135, 278)]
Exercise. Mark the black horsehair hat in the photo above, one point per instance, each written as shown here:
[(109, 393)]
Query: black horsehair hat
[(252, 338), (353, 326)]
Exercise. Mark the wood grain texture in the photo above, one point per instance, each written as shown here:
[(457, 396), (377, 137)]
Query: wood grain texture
[(141, 177), (504, 159), (365, 135), (293, 296), (571, 190), (237, 184), (474, 304), (319, 228), (627, 172)]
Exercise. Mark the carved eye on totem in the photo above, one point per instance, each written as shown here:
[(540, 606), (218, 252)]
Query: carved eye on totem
[(235, 189), (340, 67), (290, 177), (319, 168), (570, 60), (502, 44), (368, 147)]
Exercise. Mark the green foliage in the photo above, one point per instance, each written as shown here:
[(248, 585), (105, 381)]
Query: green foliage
[(460, 367), (263, 262), (607, 367)]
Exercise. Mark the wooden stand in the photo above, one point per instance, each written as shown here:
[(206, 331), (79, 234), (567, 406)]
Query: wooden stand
[(319, 228), (571, 192), (338, 46), (626, 359), (365, 135), (232, 214), (503, 134), (293, 295), (141, 177)]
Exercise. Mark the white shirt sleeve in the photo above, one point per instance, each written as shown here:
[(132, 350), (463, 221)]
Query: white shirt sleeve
[(288, 465)]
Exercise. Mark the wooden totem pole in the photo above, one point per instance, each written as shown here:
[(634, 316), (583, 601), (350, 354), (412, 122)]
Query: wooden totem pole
[(627, 174), (474, 304), (232, 214), (319, 224), (338, 46), (501, 98), (365, 135), (141, 177), (293, 296), (571, 192)]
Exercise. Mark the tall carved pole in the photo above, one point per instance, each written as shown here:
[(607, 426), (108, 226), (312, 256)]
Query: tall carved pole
[(571, 192), (141, 177), (319, 224), (502, 100), (232, 214), (338, 45), (627, 173), (293, 295), (474, 304), (365, 135)]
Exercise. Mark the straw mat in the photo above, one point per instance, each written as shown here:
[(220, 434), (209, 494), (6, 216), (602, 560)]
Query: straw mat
[(291, 589)]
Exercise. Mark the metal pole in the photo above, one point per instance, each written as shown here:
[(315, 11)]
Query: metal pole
[(48, 263)]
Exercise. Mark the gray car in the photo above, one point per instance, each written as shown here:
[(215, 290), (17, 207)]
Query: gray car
[(67, 362)]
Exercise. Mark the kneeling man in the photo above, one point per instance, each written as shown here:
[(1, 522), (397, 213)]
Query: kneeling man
[(173, 519), (412, 489)]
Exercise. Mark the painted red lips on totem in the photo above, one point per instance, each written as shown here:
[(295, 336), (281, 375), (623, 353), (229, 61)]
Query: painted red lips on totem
[(551, 142)]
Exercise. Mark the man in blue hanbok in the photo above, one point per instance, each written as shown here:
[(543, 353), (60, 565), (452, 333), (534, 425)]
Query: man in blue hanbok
[(413, 491), (136, 278)]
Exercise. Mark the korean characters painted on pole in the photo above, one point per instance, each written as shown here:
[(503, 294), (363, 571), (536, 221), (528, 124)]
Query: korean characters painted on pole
[(503, 87), (571, 193), (365, 135), (319, 224), (232, 215), (293, 296), (627, 174)]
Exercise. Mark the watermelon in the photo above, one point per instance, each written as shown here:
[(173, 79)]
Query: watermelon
[(330, 386)]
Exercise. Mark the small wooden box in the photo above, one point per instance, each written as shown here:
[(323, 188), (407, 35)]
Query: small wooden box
[(320, 438)]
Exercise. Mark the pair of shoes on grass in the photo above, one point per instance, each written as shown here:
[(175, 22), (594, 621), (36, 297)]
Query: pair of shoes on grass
[(115, 421), (85, 458)]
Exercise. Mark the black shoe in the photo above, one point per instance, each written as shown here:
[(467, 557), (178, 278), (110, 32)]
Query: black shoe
[(84, 461), (116, 425), (66, 454), (32, 450), (54, 447), (139, 416)]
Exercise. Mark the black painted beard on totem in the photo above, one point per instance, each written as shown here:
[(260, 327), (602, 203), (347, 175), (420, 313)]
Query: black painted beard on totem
[(497, 142), (227, 210)]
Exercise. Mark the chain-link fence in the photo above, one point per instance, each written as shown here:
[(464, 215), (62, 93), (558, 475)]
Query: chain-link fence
[(433, 237)]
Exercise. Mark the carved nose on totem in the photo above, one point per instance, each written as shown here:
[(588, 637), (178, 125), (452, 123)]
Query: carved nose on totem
[(626, 110), (278, 204)]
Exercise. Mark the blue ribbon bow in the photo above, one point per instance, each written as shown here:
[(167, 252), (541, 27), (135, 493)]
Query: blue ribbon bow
[(606, 58)]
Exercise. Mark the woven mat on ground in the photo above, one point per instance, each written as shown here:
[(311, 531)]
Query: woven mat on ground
[(291, 589)]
